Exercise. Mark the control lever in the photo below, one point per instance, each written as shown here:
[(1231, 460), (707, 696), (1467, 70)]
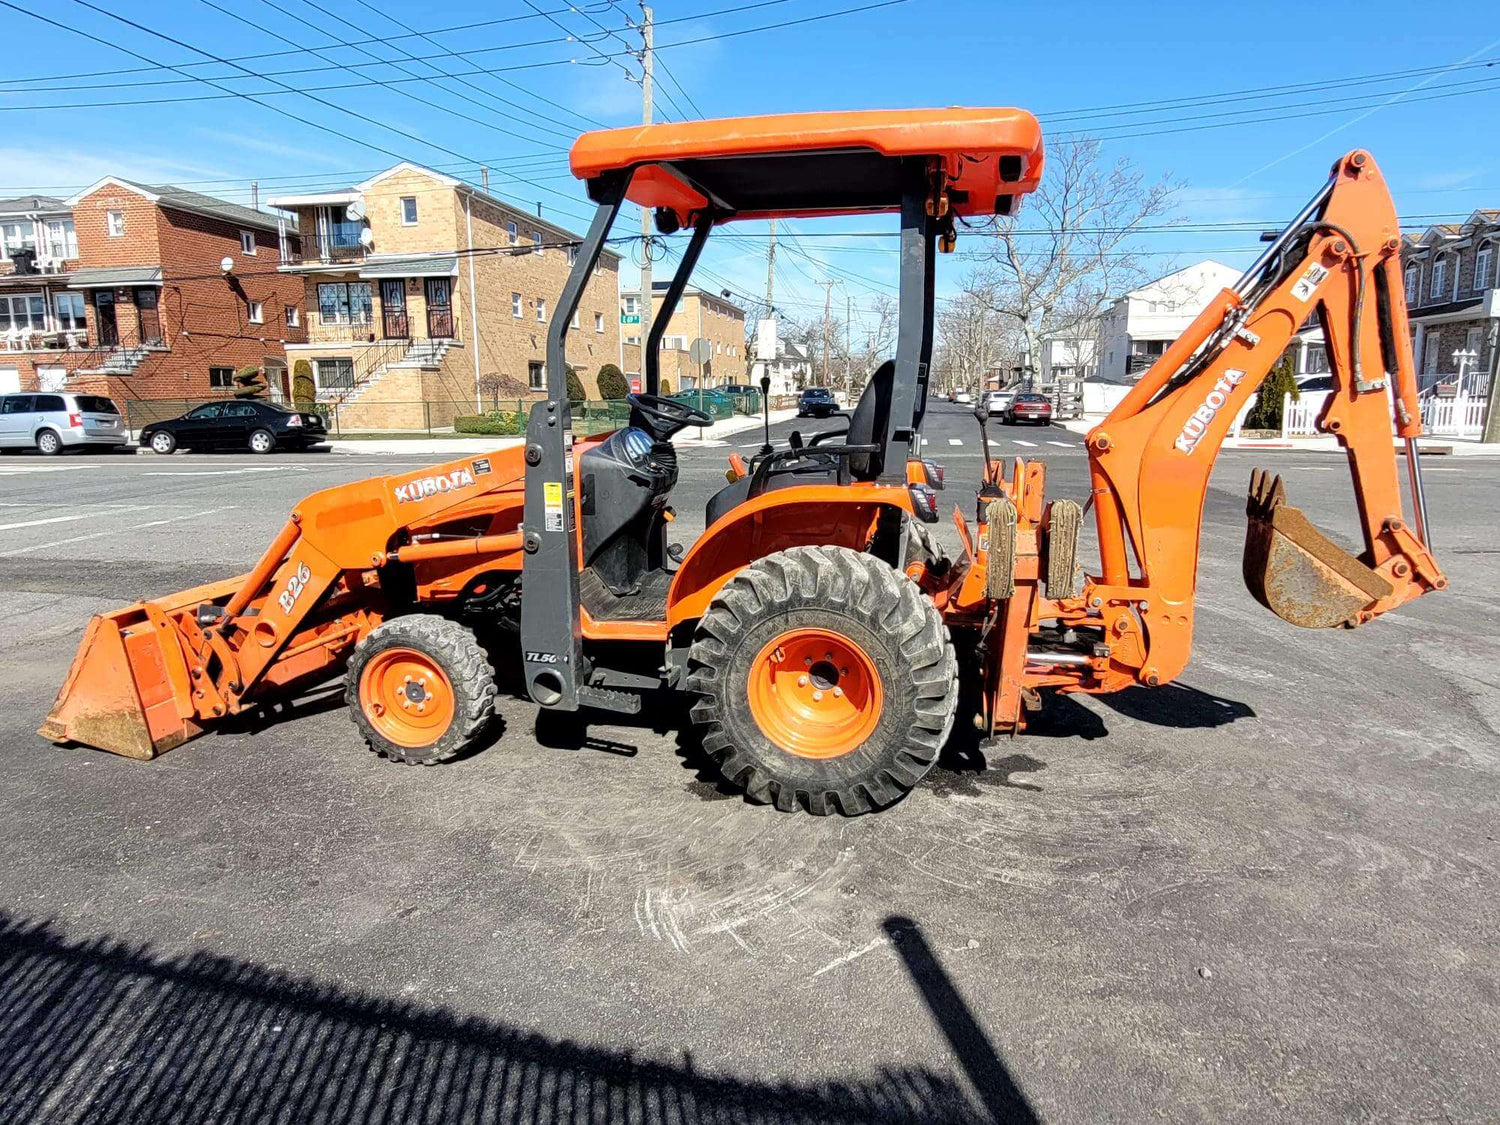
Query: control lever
[(982, 416), (765, 405)]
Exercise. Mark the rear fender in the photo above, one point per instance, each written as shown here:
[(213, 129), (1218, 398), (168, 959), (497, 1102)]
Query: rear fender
[(815, 515)]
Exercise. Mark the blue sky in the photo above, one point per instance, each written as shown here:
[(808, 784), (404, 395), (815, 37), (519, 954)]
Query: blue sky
[(1074, 64)]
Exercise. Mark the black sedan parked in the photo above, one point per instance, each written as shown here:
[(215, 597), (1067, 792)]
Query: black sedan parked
[(237, 424), (816, 402)]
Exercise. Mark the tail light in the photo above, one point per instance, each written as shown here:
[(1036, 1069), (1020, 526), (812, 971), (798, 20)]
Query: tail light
[(934, 473), (76, 421), (294, 420), (924, 503)]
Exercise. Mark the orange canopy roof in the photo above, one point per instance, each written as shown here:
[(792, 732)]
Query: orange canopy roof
[(818, 163)]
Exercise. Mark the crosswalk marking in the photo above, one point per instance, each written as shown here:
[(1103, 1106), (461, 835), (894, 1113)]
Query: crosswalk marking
[(955, 441), (1027, 444), (17, 470), (1061, 444)]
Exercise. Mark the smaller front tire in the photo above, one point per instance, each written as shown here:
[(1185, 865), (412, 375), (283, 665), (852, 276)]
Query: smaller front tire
[(163, 443), (262, 441), (420, 689)]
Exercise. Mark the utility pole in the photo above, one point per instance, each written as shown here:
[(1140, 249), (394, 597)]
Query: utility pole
[(648, 67), (255, 195), (1492, 411), (771, 275), (484, 178), (848, 319), (827, 304)]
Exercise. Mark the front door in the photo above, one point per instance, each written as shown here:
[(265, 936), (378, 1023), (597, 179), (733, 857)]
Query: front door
[(393, 309), (150, 317), (440, 308), (104, 307)]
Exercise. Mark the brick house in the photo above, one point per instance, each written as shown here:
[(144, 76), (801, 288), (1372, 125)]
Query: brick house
[(1452, 276), (700, 315), (151, 293), (428, 298), (42, 321)]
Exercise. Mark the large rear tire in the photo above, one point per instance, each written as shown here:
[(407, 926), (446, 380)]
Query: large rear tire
[(825, 680), (420, 689)]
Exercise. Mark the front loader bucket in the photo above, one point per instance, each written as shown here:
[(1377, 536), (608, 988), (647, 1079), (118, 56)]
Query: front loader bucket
[(129, 690), (1296, 571)]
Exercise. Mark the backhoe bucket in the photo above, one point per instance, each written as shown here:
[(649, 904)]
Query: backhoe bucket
[(129, 690), (1296, 571)]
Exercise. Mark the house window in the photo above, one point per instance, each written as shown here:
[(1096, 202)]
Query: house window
[(674, 343), (1413, 283), (1316, 361), (70, 315), (247, 242), (336, 373), (1439, 277), (1431, 356), (22, 311), (115, 223), (16, 236), (221, 378), (633, 341), (257, 312), (340, 303), (536, 242), (1483, 261), (1472, 341), (515, 305), (541, 310), (511, 232), (632, 306), (536, 376), (62, 239), (598, 322), (408, 210), (293, 316)]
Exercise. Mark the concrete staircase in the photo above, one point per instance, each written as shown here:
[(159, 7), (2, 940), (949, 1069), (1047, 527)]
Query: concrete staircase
[(425, 353), (121, 361)]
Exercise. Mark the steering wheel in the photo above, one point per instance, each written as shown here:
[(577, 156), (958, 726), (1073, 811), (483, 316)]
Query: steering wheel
[(668, 415)]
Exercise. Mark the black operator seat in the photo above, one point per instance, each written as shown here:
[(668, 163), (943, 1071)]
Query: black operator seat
[(867, 426)]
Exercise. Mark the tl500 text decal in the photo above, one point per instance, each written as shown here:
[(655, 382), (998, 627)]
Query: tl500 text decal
[(1197, 424)]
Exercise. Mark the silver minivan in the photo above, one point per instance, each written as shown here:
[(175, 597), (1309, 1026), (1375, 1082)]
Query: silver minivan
[(51, 422)]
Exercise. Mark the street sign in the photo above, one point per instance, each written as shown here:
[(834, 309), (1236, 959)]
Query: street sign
[(630, 318), (701, 350)]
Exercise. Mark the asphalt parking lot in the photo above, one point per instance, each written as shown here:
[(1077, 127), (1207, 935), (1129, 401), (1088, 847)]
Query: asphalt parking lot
[(1266, 892)]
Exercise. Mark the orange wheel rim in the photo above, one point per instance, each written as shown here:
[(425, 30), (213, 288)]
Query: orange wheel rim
[(406, 696), (815, 693)]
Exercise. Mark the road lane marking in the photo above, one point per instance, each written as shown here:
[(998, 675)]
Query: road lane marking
[(1027, 444), (228, 472), (17, 470), (955, 441), (1063, 444), (37, 523), (102, 534)]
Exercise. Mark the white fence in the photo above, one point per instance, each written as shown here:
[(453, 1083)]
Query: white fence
[(1461, 417)]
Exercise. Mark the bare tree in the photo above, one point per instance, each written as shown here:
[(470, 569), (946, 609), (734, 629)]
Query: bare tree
[(974, 338), (1056, 283)]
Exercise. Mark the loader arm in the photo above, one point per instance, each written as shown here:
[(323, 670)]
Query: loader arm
[(1151, 458)]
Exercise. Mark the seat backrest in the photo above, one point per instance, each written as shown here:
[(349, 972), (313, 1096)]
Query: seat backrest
[(870, 420)]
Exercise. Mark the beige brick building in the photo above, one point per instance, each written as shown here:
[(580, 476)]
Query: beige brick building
[(428, 298), (699, 315)]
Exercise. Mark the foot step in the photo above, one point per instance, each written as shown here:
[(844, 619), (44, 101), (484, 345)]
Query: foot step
[(607, 699)]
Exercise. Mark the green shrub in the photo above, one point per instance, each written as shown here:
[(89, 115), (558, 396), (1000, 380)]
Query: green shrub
[(249, 382), (1280, 381), (502, 422), (666, 386), (304, 389), (612, 382), (575, 385)]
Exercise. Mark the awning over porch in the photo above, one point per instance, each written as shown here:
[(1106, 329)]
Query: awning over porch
[(424, 265), (114, 277)]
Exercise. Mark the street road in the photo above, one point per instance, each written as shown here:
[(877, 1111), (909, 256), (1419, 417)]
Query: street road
[(1264, 893)]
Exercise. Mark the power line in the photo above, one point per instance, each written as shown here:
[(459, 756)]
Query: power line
[(504, 81)]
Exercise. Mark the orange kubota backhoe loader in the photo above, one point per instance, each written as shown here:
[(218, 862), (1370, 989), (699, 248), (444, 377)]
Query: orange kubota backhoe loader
[(813, 622)]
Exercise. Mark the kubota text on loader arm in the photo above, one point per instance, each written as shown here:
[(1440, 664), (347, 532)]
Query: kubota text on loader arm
[(815, 623)]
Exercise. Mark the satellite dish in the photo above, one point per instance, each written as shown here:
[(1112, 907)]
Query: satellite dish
[(366, 237), (355, 210), (226, 263), (701, 350)]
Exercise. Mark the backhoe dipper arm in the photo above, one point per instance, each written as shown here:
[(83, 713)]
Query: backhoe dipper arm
[(1151, 458)]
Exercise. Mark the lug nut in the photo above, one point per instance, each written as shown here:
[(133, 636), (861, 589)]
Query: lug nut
[(817, 697), (801, 681), (838, 693)]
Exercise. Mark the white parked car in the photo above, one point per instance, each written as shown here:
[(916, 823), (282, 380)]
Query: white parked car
[(964, 398), (998, 402)]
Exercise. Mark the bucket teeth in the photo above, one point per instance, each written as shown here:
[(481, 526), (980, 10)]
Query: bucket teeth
[(1296, 571)]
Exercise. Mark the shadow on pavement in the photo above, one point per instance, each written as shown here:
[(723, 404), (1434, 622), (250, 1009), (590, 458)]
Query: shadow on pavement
[(970, 1044), (104, 1031)]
